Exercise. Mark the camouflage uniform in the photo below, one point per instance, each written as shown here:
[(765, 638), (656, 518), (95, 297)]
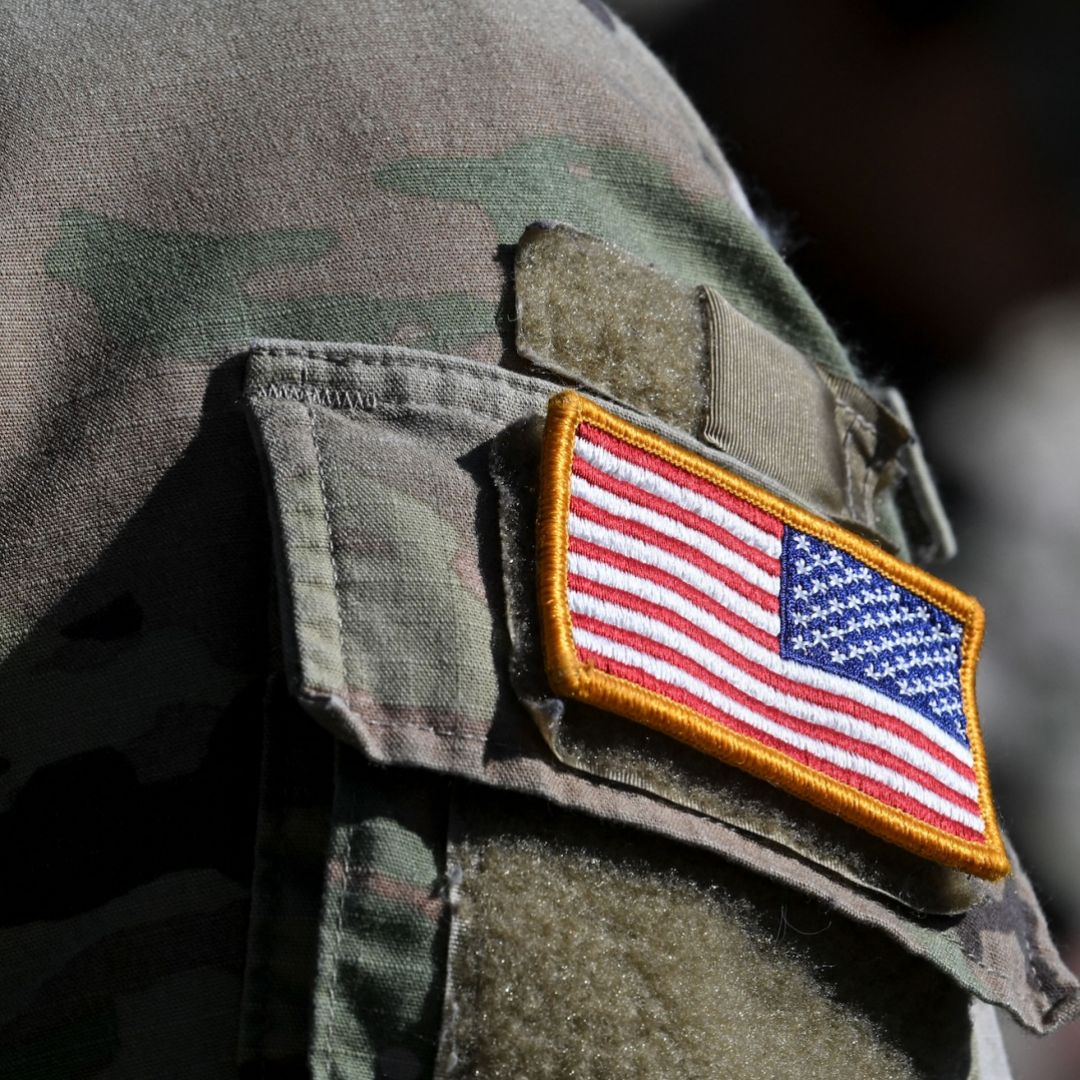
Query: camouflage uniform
[(199, 879)]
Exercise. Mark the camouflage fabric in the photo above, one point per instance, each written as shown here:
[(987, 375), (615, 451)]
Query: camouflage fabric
[(377, 1011), (191, 867)]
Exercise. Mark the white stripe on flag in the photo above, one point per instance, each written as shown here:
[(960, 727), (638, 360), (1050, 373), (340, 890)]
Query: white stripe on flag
[(811, 677), (653, 556)]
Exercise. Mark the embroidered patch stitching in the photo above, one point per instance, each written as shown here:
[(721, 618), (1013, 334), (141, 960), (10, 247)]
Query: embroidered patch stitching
[(683, 597)]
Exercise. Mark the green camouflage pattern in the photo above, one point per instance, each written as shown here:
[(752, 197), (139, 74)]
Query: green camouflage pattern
[(187, 295), (630, 198), (176, 181)]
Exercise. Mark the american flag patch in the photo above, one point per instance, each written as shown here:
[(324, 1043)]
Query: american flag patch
[(681, 596)]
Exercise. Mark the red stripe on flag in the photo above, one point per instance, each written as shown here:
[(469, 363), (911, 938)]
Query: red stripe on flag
[(766, 522), (879, 791), (734, 581)]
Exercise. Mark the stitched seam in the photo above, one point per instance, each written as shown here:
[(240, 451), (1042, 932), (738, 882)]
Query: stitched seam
[(332, 550), (334, 399), (978, 963), (340, 915), (854, 421), (871, 472), (338, 933), (847, 414), (496, 375), (713, 320), (1037, 954), (350, 399), (1039, 987)]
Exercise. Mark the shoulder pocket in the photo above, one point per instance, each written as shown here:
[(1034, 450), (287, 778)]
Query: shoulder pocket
[(403, 492)]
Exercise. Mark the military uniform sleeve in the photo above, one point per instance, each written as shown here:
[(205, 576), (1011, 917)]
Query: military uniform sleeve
[(288, 783)]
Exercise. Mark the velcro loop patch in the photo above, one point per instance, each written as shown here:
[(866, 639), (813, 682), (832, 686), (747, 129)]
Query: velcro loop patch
[(597, 316), (683, 597)]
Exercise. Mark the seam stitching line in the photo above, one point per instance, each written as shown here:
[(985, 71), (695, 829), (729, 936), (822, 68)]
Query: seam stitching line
[(338, 933), (332, 551)]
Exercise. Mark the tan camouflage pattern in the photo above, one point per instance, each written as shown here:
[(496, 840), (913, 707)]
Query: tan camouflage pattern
[(175, 181)]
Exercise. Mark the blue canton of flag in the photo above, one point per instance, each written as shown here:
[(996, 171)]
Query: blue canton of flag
[(839, 615)]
